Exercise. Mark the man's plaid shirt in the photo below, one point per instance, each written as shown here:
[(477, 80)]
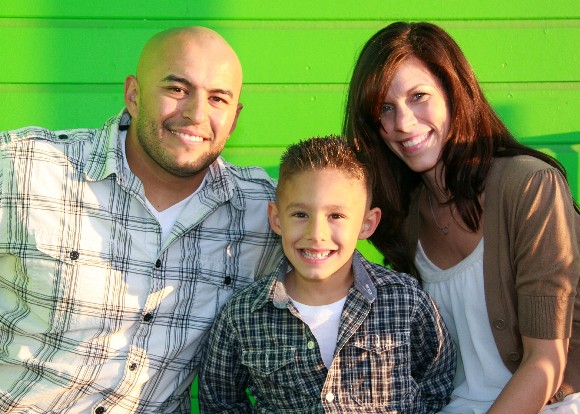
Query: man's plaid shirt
[(393, 353), (95, 314)]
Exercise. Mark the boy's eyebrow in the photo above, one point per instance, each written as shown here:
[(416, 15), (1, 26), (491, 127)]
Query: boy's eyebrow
[(304, 205), (186, 82)]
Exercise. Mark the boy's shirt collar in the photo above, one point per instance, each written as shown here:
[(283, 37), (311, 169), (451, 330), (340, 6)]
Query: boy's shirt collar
[(275, 290)]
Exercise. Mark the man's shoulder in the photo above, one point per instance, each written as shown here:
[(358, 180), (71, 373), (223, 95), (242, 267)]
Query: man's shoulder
[(38, 134), (250, 176)]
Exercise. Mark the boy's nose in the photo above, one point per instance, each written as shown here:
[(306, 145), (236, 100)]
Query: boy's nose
[(317, 229)]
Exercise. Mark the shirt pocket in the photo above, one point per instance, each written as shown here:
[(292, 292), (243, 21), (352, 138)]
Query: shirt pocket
[(72, 284), (379, 369), (274, 372)]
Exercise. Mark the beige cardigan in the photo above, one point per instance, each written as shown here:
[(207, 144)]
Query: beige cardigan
[(531, 260)]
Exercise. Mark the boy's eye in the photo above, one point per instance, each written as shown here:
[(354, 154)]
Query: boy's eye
[(299, 214), (336, 216)]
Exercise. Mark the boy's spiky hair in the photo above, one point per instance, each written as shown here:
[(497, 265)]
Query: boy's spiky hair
[(320, 153)]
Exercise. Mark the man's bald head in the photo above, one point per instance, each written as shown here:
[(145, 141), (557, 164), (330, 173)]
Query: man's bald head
[(177, 38), (184, 102)]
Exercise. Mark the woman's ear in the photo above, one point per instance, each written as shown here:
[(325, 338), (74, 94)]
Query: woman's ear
[(274, 218), (370, 223)]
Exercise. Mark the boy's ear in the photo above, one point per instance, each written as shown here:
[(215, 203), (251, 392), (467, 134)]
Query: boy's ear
[(370, 223), (274, 218)]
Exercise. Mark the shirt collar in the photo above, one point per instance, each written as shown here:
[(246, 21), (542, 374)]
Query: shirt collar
[(107, 153), (276, 290)]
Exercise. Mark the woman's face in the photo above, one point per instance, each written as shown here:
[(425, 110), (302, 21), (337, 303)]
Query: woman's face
[(415, 116)]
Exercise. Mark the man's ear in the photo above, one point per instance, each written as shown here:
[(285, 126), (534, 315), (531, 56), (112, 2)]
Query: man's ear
[(132, 95), (274, 218), (370, 223), (235, 123)]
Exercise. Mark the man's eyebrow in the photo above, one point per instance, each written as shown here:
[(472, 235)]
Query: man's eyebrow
[(174, 78)]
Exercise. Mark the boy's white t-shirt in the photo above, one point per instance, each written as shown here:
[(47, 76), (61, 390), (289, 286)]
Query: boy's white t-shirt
[(323, 321)]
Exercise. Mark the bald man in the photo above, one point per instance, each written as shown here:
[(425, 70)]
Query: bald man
[(119, 245)]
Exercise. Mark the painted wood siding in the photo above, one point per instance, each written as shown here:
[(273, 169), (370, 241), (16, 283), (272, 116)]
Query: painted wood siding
[(63, 63)]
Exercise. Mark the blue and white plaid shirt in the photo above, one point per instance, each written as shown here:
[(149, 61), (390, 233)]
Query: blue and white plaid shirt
[(393, 353), (92, 319)]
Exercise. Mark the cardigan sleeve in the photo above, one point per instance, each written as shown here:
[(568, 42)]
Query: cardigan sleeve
[(544, 230)]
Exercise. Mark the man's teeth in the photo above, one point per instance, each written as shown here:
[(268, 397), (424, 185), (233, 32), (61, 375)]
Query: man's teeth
[(312, 255), (415, 141), (192, 138)]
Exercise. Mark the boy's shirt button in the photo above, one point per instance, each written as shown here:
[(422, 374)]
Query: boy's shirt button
[(329, 397), (310, 344)]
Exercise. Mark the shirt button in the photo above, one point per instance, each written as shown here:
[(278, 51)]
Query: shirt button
[(133, 367), (158, 263), (329, 397), (74, 255), (227, 280), (499, 324), (514, 356), (310, 344), (147, 317), (100, 410)]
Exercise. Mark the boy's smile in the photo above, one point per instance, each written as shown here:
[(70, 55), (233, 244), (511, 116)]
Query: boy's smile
[(321, 215)]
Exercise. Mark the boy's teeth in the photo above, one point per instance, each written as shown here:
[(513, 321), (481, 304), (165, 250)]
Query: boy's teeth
[(311, 255)]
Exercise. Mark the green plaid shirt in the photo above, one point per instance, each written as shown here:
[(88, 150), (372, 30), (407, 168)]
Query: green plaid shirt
[(393, 353)]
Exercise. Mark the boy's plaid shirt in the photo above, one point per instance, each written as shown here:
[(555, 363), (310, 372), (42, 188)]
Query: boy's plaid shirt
[(393, 354)]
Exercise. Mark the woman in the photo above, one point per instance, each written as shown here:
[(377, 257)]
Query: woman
[(487, 224)]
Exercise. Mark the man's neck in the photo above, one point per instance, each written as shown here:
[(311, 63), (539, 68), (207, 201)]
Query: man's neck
[(162, 188)]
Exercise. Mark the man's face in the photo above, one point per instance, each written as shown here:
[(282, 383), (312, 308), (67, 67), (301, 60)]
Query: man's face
[(186, 104)]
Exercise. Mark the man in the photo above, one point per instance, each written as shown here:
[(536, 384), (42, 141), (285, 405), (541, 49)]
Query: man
[(118, 246)]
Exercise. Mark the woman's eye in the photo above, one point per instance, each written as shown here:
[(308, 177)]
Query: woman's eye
[(419, 96), (386, 108)]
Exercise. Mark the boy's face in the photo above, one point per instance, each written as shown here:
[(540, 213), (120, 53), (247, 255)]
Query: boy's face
[(320, 216)]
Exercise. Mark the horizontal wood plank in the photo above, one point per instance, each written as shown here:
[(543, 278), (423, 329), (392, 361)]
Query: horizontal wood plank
[(275, 115), (105, 51), (296, 9)]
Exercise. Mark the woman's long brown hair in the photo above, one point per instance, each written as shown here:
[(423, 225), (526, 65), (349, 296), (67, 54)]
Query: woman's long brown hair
[(476, 133)]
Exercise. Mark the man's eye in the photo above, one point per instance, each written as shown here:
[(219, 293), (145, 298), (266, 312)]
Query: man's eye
[(176, 89), (218, 99)]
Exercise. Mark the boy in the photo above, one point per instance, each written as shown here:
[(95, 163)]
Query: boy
[(330, 331)]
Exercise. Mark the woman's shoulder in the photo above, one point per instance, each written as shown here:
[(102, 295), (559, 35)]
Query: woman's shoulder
[(514, 171), (519, 165)]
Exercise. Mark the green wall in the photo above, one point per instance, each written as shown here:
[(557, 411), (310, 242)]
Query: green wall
[(63, 63)]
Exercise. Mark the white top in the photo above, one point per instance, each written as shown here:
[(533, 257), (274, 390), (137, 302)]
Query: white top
[(323, 321), (459, 294)]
